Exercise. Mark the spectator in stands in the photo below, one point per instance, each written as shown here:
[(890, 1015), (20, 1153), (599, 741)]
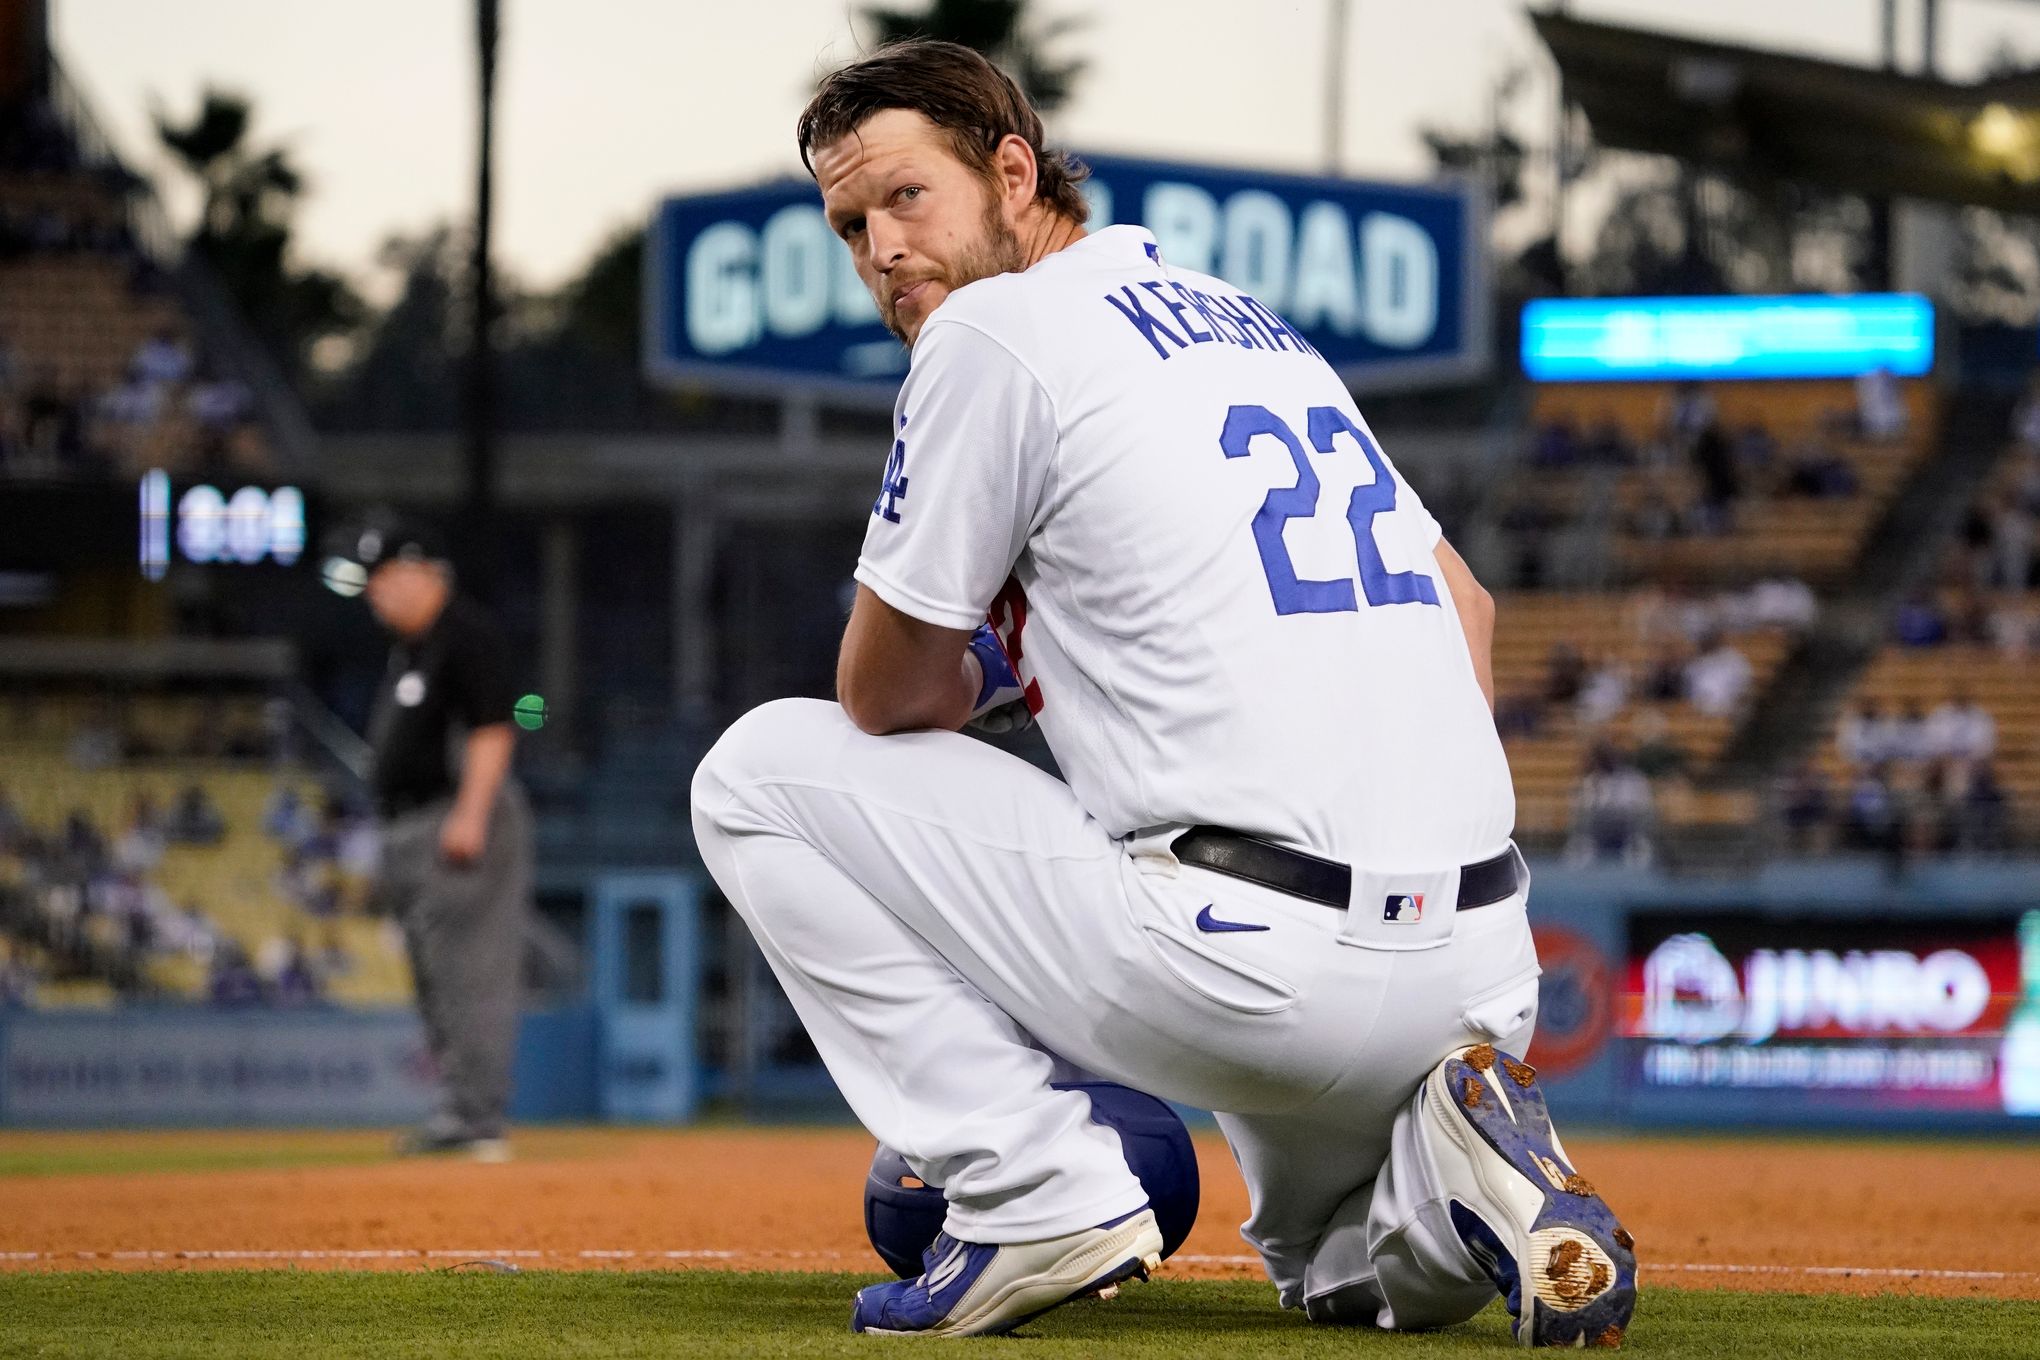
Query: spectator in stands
[(1654, 518), (297, 981), (1607, 445), (1819, 473), (1756, 456), (1908, 734), (1720, 483), (17, 979), (1564, 673), (358, 860), (1613, 811), (1978, 562), (1718, 678), (163, 360), (1984, 819), (286, 818), (1692, 412), (1807, 805), (96, 743), (233, 981), (1968, 615), (1920, 622), (1665, 678), (1865, 737), (1518, 715), (196, 820), (2011, 545), (1672, 612), (1960, 729), (81, 848), (2026, 416), (1871, 821), (186, 931), (1557, 445), (140, 847), (1783, 602), (13, 826), (2013, 629), (220, 408), (1605, 691), (1880, 406), (1658, 755)]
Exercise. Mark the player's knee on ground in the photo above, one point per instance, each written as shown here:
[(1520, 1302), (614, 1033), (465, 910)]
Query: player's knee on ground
[(1356, 1305), (770, 740)]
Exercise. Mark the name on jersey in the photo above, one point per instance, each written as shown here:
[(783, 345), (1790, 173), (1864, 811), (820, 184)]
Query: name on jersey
[(1172, 318)]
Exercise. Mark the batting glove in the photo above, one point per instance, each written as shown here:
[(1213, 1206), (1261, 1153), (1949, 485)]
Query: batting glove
[(1000, 706)]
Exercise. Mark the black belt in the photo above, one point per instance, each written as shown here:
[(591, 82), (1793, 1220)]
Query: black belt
[(1328, 882)]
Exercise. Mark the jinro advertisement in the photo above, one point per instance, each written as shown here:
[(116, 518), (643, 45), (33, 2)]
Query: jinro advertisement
[(1845, 1014)]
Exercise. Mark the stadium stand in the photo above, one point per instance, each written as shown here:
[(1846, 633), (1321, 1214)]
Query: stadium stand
[(116, 353), (1615, 706), (1722, 483), (174, 846), (1937, 747)]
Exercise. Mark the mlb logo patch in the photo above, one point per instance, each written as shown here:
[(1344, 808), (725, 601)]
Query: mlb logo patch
[(1404, 907)]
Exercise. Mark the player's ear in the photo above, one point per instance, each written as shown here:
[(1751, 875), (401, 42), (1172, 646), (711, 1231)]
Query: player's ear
[(1015, 171)]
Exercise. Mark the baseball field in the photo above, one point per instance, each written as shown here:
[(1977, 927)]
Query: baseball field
[(748, 1241)]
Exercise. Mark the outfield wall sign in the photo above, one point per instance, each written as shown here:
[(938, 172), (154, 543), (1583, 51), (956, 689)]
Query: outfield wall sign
[(750, 289)]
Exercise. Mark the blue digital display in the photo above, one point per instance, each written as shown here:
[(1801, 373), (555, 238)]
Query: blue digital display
[(1805, 336), (1387, 281)]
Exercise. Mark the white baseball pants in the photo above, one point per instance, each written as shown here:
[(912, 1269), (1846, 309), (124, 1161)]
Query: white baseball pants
[(949, 923)]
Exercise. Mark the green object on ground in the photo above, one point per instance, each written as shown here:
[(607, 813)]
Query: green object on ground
[(707, 1315), (530, 712)]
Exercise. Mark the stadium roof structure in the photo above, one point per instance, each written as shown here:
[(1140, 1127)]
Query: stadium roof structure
[(1781, 117)]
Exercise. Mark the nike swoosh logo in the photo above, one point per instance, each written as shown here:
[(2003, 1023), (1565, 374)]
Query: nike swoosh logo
[(1211, 925)]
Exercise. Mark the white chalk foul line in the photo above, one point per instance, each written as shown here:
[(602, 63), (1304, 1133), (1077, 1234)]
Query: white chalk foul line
[(708, 1254)]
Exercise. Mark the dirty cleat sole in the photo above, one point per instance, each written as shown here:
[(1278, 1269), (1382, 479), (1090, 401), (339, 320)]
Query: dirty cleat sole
[(1567, 1267)]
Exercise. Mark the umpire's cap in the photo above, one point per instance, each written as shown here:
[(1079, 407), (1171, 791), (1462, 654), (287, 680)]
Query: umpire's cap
[(356, 549)]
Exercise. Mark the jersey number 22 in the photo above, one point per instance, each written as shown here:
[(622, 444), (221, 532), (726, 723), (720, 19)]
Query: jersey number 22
[(1292, 595)]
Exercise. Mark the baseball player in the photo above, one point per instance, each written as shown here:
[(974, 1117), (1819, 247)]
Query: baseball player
[(1279, 883)]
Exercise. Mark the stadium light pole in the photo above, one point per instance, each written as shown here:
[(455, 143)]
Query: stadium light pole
[(1335, 84), (478, 409)]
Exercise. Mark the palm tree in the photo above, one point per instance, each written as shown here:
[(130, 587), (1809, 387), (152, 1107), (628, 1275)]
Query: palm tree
[(244, 226), (999, 29)]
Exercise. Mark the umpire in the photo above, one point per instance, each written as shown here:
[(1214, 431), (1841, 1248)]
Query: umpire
[(457, 857)]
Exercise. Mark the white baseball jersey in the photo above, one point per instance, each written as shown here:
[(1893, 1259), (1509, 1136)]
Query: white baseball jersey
[(1221, 597)]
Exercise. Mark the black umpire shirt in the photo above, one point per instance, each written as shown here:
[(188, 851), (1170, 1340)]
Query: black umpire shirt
[(438, 688)]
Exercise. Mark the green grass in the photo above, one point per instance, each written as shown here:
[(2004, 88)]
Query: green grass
[(30, 1153), (131, 1160), (322, 1316)]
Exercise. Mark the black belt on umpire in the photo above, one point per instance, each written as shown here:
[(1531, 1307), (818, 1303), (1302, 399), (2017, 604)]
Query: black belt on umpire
[(1328, 882)]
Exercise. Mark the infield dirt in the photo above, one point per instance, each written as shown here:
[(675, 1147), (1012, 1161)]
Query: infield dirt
[(1952, 1219)]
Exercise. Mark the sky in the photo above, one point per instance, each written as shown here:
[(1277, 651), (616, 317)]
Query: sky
[(605, 105)]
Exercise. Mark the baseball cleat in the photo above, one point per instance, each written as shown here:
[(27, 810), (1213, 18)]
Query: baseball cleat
[(978, 1289), (1566, 1267), (436, 1140)]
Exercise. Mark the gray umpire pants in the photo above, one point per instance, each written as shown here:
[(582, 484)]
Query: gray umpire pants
[(464, 927)]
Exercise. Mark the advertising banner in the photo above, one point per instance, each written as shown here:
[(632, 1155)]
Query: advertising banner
[(752, 289), (1835, 1015), (144, 1066)]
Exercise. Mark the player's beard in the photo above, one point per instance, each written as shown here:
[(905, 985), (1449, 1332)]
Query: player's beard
[(996, 251)]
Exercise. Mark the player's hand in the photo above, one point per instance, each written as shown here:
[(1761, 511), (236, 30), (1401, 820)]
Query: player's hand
[(463, 836), (1001, 705)]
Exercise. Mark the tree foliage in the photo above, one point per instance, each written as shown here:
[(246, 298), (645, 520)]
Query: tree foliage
[(1003, 31), (243, 233)]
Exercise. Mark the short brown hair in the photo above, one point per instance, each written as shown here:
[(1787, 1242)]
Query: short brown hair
[(955, 88)]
